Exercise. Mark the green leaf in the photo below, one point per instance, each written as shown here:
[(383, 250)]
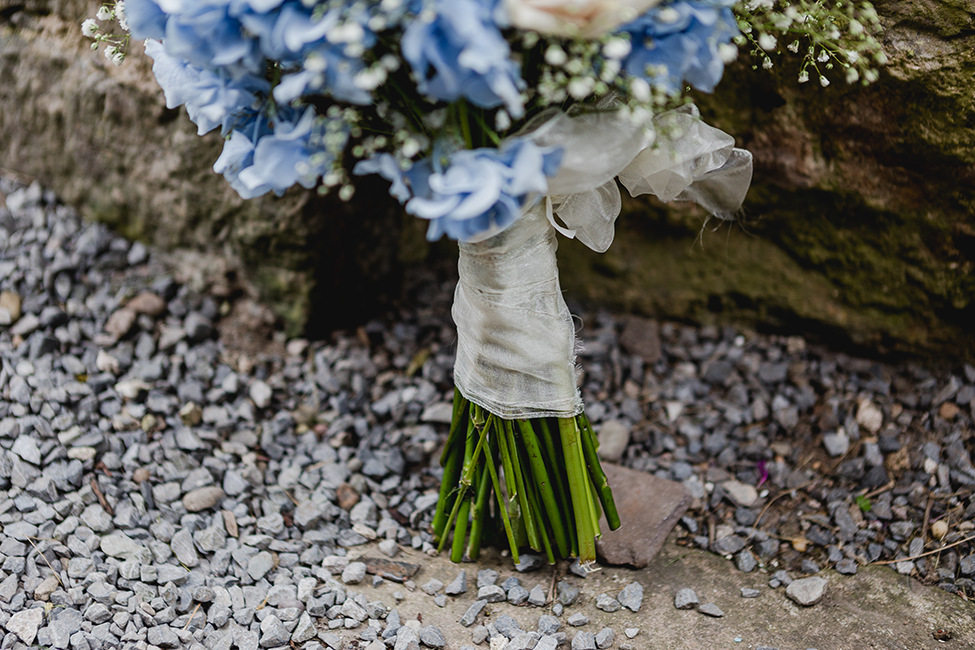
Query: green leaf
[(864, 503)]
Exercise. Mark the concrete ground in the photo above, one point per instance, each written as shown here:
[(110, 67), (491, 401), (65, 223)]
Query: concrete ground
[(877, 608)]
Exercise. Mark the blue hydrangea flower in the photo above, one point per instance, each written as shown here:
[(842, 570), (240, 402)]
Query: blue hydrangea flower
[(238, 155), (207, 36), (303, 45), (212, 99), (283, 158), (457, 50), (146, 19), (478, 190), (386, 166), (325, 69), (681, 40), (259, 157)]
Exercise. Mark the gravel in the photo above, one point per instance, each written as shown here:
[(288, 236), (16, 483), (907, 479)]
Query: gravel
[(711, 610), (806, 591), (168, 471), (631, 597), (686, 599)]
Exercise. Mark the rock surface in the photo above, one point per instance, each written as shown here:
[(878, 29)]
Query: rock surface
[(869, 236), (860, 223), (88, 129), (807, 591), (649, 507)]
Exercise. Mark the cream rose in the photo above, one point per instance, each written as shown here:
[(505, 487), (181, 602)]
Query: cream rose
[(575, 18)]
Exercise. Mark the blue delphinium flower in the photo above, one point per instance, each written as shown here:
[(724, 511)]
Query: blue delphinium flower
[(478, 190), (456, 49), (212, 99), (680, 42)]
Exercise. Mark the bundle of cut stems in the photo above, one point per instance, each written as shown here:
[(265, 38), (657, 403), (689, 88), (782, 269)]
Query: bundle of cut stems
[(548, 494)]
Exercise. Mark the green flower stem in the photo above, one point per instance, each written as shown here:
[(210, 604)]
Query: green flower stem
[(544, 485), (499, 499), (552, 494), (513, 504), (451, 460), (460, 531), (461, 504), (456, 419), (451, 473), (597, 475), (539, 516), (480, 509), (578, 481), (527, 516), (553, 452)]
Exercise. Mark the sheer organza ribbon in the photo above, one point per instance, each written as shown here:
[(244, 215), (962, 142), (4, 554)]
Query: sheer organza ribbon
[(516, 339)]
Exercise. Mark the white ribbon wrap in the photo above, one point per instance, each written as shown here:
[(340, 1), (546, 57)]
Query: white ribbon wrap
[(515, 336)]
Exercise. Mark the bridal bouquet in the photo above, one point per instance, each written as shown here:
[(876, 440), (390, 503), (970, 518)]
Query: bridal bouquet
[(502, 123)]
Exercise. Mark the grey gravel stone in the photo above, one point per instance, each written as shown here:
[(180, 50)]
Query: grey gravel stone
[(486, 577), (846, 566), (578, 619), (491, 594), (566, 593), (517, 595), (782, 577), (529, 562), (807, 591), (259, 565), (472, 612), (26, 447), (548, 624), (523, 641), (710, 609), (354, 573), (686, 599), (537, 596), (583, 640), (547, 643), (631, 597), (25, 624), (836, 443), (745, 561), (389, 547), (163, 636), (747, 592), (183, 548), (479, 635), (507, 626), (458, 585), (431, 587), (273, 632), (120, 545), (432, 637), (607, 603), (605, 638)]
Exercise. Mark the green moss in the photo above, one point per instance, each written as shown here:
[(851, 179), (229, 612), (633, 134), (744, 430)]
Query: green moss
[(286, 292)]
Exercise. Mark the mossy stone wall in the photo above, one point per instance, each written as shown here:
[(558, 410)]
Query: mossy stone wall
[(859, 228), (860, 224)]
